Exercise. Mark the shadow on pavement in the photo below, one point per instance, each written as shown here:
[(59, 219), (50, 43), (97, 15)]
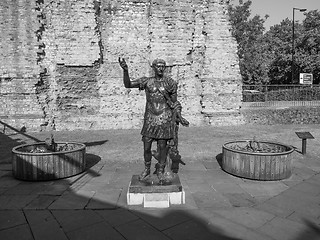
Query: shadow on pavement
[(6, 144), (96, 143), (311, 233), (219, 159), (92, 160)]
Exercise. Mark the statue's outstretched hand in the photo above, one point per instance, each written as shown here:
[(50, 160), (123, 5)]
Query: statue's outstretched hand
[(123, 64)]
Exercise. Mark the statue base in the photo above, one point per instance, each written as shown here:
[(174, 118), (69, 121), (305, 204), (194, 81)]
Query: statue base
[(151, 194)]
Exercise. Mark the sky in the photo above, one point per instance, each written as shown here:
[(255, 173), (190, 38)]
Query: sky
[(281, 9)]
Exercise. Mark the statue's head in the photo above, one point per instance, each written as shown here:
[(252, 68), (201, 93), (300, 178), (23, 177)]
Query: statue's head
[(159, 65), (158, 61)]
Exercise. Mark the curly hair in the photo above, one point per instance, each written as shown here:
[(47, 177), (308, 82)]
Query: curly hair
[(158, 60)]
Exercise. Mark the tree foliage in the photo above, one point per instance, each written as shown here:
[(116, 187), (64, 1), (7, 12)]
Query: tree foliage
[(265, 57), (279, 39), (248, 33), (309, 45)]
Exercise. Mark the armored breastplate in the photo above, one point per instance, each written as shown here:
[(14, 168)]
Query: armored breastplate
[(156, 102)]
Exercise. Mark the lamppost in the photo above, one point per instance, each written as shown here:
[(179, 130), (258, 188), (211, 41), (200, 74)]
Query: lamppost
[(292, 50)]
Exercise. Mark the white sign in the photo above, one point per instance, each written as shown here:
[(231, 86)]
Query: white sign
[(306, 78)]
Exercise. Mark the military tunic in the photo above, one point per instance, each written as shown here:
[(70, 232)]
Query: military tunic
[(158, 122)]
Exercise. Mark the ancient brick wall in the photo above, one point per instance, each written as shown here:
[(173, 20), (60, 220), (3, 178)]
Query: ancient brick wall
[(19, 70), (69, 60)]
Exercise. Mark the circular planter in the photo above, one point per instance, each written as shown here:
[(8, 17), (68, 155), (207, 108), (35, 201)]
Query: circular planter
[(257, 165), (34, 166)]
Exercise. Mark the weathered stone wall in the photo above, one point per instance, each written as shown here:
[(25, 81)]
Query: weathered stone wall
[(69, 54), (19, 70)]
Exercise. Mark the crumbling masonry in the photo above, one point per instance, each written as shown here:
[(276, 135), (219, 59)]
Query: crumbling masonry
[(59, 61)]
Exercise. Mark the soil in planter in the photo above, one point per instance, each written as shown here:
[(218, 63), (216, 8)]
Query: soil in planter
[(258, 147), (44, 148), (49, 146)]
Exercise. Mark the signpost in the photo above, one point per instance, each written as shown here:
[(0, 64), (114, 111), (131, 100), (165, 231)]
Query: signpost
[(306, 78), (304, 136)]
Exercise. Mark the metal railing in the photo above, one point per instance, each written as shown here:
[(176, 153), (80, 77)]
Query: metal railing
[(264, 93), (280, 95)]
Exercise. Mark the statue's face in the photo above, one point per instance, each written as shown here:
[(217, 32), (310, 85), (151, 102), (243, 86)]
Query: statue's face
[(159, 69)]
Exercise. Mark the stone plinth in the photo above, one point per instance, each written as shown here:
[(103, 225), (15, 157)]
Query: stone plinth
[(152, 195)]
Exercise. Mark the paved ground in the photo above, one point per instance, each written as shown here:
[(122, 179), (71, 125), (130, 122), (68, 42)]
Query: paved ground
[(93, 205)]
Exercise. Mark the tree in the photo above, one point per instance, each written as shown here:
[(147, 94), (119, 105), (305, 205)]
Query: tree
[(248, 33), (308, 53), (279, 41), (307, 49), (266, 57)]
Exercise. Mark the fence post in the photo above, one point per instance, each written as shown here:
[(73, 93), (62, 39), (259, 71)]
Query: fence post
[(265, 93)]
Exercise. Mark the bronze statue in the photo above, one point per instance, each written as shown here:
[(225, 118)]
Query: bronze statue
[(161, 118)]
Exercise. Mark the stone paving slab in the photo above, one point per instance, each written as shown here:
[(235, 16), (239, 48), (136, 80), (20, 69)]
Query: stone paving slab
[(15, 201), (218, 205), (222, 228), (211, 200), (283, 229), (240, 199), (11, 218), (97, 231), (163, 219), (106, 199), (70, 200), (55, 188), (71, 220), (146, 232), (295, 202), (44, 226), (117, 217), (8, 182), (21, 232), (308, 188), (227, 188), (25, 189), (260, 189), (41, 202), (305, 217), (194, 230), (274, 209), (249, 217)]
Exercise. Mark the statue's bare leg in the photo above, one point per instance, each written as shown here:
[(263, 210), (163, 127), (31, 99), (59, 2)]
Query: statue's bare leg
[(162, 144), (147, 143)]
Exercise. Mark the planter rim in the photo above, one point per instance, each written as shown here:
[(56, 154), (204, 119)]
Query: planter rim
[(15, 149), (291, 149)]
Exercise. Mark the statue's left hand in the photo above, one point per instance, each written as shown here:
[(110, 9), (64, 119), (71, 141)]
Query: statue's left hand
[(184, 122)]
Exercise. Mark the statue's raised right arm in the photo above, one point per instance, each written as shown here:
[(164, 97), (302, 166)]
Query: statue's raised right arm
[(126, 79)]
